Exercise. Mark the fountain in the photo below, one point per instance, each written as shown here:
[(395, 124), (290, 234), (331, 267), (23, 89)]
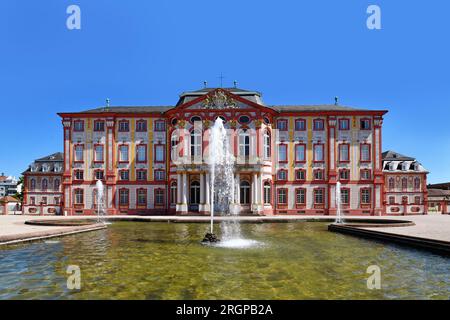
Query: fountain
[(339, 218), (100, 202)]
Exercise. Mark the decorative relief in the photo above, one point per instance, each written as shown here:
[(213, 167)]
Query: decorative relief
[(219, 100)]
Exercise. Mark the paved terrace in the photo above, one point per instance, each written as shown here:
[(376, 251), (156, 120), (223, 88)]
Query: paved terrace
[(13, 228)]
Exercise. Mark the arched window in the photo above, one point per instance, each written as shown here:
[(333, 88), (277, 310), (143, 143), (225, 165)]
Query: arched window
[(56, 185), (244, 143), (391, 184), (417, 183), (32, 184), (267, 144), (196, 143), (404, 184), (44, 185), (173, 193), (245, 192), (195, 192), (267, 193)]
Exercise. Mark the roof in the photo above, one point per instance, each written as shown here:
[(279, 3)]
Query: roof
[(130, 109), (442, 186), (314, 108), (438, 193), (3, 178), (53, 163), (57, 156), (395, 156), (8, 199)]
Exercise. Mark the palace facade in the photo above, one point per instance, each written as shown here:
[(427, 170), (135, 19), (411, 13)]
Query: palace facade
[(288, 159)]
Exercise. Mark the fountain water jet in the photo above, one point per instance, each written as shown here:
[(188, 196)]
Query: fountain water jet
[(100, 201), (339, 218)]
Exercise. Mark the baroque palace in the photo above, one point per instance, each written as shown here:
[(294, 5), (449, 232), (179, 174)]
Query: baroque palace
[(288, 160)]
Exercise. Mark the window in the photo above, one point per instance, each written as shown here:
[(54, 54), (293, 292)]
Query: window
[(123, 153), (267, 193), (159, 153), (98, 153), (244, 143), (344, 152), (124, 197), (300, 125), (173, 193), (160, 125), (417, 200), (282, 125), (141, 197), (141, 175), (56, 200), (79, 196), (195, 119), (282, 196), (44, 185), (365, 124), (282, 175), (344, 174), (32, 184), (345, 196), (318, 174), (404, 184), (32, 201), (300, 153), (282, 153), (78, 153), (391, 184), (244, 119), (56, 185), (196, 143), (159, 197), (195, 192), (124, 126), (99, 175), (124, 175), (78, 125), (160, 175), (318, 196), (300, 174), (318, 153), (141, 126), (300, 196), (391, 200), (365, 152), (99, 125), (141, 153), (244, 192), (318, 125), (79, 175), (267, 142), (344, 124), (366, 174), (365, 196), (417, 184), (174, 147), (405, 200), (44, 200)]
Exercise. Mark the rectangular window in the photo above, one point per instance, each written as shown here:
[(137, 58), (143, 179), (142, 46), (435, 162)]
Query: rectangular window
[(124, 126), (318, 153), (123, 153), (267, 195), (159, 153), (141, 126), (124, 175), (365, 152), (160, 125), (318, 174), (318, 196), (99, 175), (300, 196), (56, 200), (141, 197), (32, 200), (365, 124), (344, 153), (300, 125), (160, 175), (99, 125), (141, 175), (282, 125), (78, 125), (79, 196), (345, 196), (282, 153), (282, 196), (318, 125), (79, 175), (124, 197), (78, 153), (344, 174), (159, 197), (365, 196), (141, 153), (300, 153), (44, 200), (392, 200), (344, 124), (417, 200), (300, 175), (366, 174), (282, 175), (98, 153)]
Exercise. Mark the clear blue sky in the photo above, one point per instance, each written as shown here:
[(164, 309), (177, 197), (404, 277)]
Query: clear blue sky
[(295, 52)]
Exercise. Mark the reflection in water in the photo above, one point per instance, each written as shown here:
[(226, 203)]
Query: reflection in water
[(166, 261)]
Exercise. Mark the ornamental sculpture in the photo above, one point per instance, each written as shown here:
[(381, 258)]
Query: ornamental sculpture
[(219, 100)]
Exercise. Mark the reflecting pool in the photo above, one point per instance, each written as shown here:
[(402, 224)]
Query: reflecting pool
[(138, 260)]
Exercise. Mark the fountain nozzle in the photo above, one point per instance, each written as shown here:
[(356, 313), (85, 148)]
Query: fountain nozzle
[(210, 237)]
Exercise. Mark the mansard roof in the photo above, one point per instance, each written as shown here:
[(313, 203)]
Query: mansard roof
[(397, 162), (395, 156), (57, 156), (52, 162)]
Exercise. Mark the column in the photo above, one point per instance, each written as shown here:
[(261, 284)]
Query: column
[(182, 206), (179, 183), (254, 192)]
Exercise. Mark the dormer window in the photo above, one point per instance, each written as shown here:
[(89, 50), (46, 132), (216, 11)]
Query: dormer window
[(404, 166), (391, 166)]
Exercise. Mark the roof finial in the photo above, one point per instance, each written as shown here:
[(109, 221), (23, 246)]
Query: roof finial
[(205, 83), (336, 100), (221, 79), (107, 104), (235, 83)]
